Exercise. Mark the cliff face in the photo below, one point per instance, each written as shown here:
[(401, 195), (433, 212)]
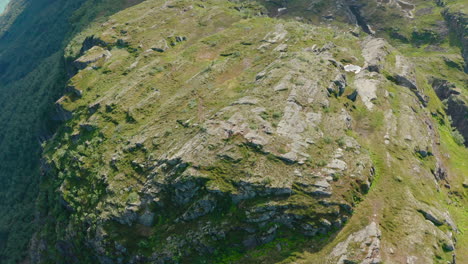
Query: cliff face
[(456, 106), (242, 132), (458, 22), (32, 77)]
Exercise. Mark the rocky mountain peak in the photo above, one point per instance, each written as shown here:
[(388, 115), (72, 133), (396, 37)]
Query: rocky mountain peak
[(250, 132)]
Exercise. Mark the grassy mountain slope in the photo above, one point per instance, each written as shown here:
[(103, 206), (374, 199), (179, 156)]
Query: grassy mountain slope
[(234, 132), (212, 133)]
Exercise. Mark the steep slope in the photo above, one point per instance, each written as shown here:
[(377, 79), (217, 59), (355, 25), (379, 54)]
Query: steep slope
[(220, 130), (207, 132), (32, 77), (27, 92), (233, 132)]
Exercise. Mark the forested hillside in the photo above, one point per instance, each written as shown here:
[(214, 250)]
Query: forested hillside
[(33, 75)]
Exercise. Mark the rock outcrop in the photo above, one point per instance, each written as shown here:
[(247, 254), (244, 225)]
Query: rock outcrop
[(366, 240), (456, 104), (458, 22)]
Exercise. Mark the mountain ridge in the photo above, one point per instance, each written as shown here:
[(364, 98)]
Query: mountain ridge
[(209, 132)]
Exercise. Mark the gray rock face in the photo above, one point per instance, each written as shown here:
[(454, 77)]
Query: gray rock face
[(367, 240), (161, 46), (367, 81), (337, 87), (147, 218), (457, 105), (199, 208), (366, 88), (60, 114), (437, 217), (185, 191), (406, 77), (457, 22), (440, 173), (448, 246), (458, 110), (73, 91), (374, 52), (93, 108), (283, 85), (276, 36), (246, 101), (91, 42), (443, 88), (337, 164), (91, 56), (429, 215)]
